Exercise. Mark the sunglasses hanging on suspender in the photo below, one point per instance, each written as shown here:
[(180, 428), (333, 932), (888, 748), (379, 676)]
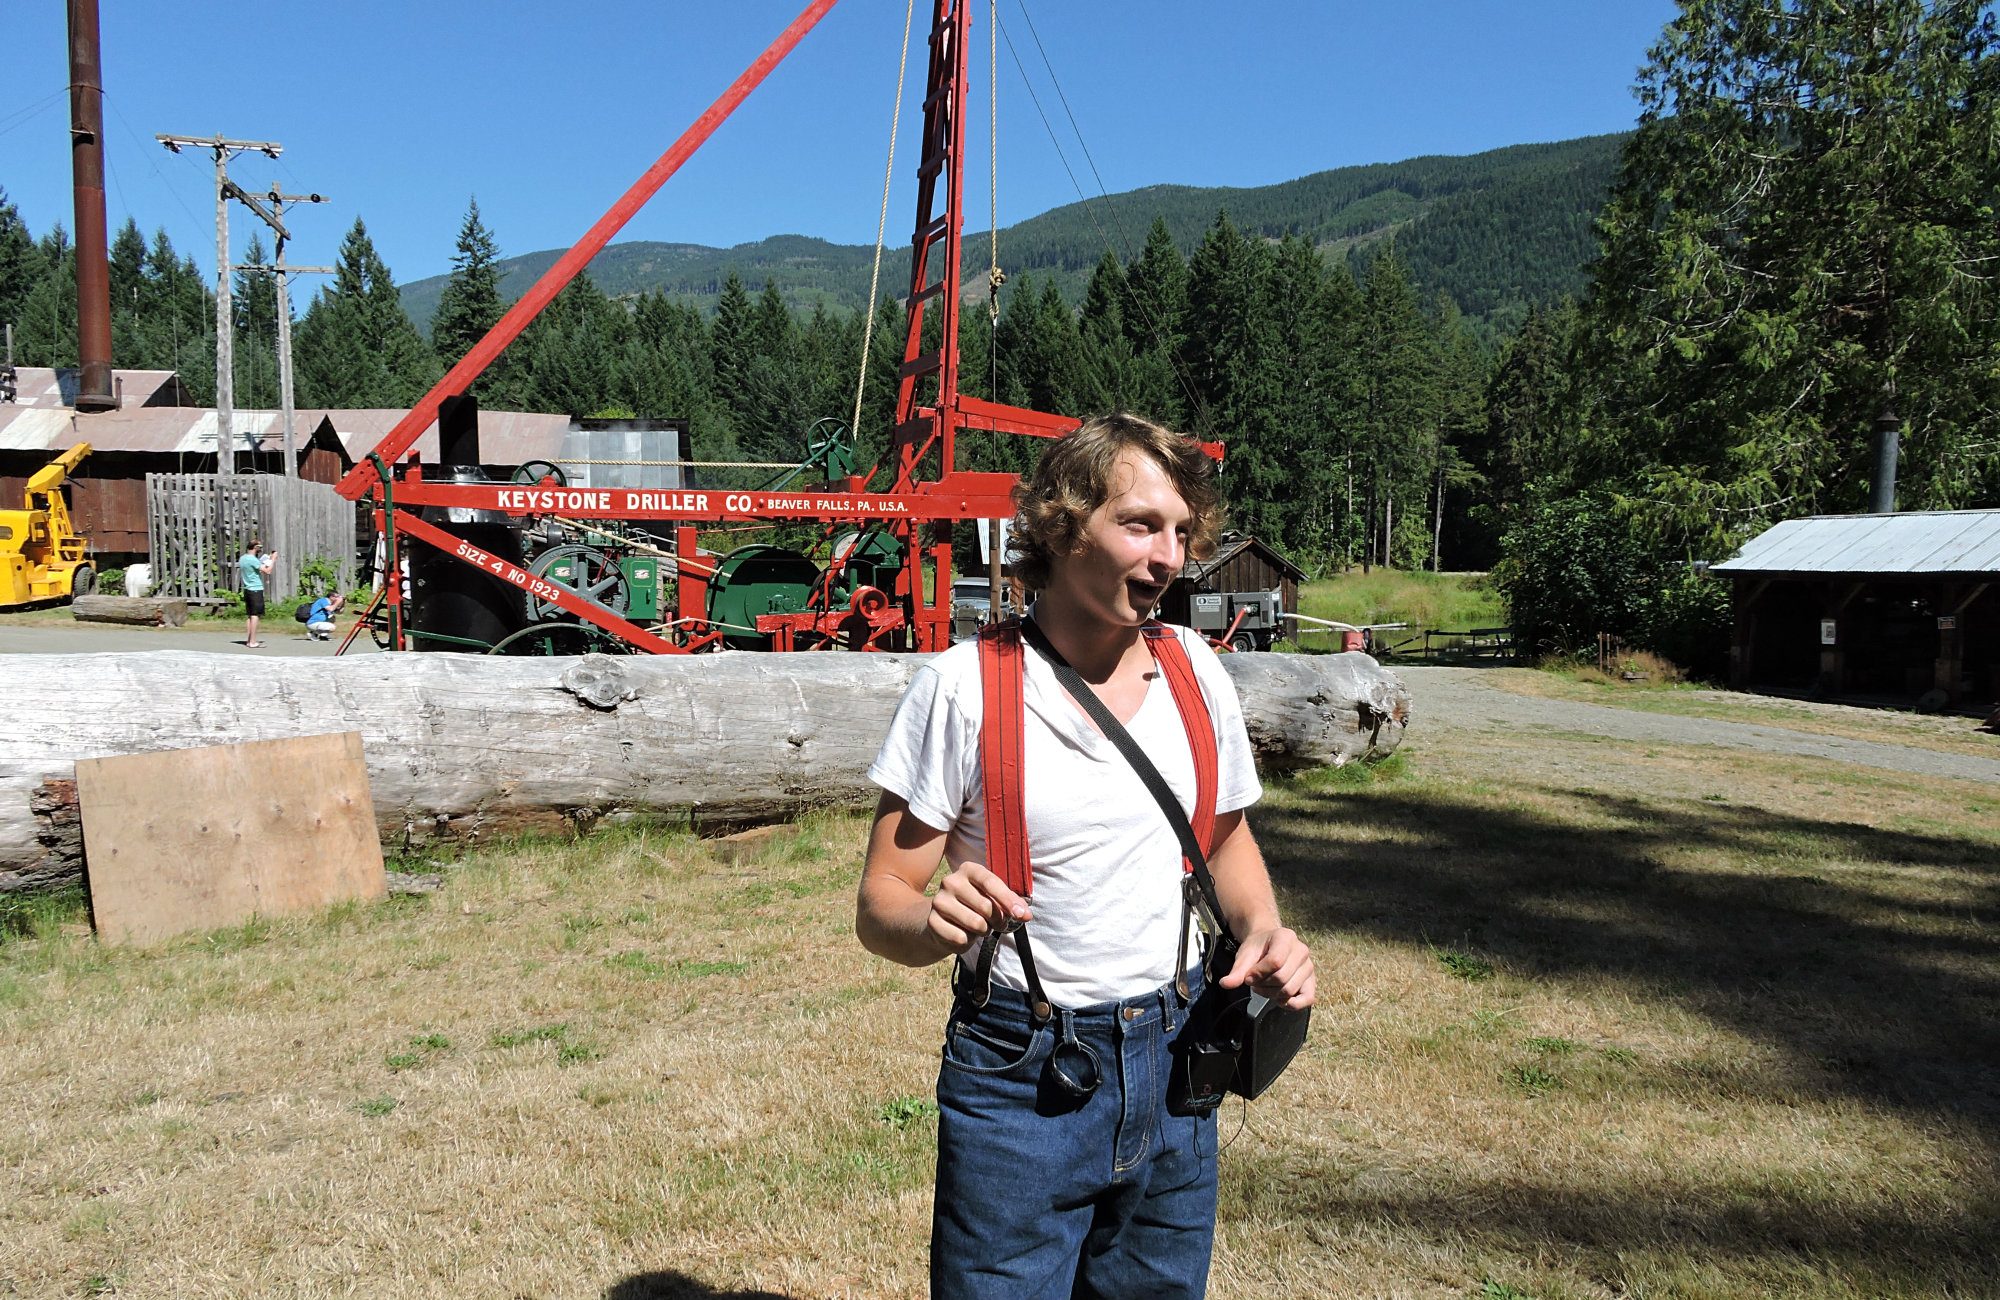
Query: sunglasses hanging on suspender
[(1235, 1040)]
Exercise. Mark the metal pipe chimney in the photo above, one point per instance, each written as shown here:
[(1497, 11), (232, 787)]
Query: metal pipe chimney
[(1888, 446), (93, 274)]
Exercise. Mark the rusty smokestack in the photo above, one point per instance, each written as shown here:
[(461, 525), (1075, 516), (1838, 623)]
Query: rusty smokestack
[(93, 274)]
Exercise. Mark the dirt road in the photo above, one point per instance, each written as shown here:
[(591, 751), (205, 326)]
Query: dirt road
[(1460, 703)]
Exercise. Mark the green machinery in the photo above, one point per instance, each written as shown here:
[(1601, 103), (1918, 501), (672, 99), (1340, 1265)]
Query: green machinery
[(763, 579)]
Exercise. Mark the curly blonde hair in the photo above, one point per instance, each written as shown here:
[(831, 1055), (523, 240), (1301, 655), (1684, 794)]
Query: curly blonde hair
[(1077, 474)]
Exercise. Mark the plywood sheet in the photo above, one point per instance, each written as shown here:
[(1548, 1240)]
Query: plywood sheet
[(197, 839)]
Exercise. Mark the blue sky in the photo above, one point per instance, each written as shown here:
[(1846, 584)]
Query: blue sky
[(401, 111)]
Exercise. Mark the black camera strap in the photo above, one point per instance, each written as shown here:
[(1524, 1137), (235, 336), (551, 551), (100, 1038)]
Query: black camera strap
[(1203, 891)]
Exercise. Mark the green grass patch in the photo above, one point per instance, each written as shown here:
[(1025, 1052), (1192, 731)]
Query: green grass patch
[(1448, 602), (41, 915), (1465, 966), (1491, 1290), (637, 963), (694, 970), (568, 1054), (375, 1107), (1351, 776), (1534, 1080), (504, 1038), (901, 1111)]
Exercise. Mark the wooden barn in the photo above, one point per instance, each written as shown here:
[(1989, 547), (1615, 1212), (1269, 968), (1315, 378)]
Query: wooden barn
[(1897, 607), (1244, 575)]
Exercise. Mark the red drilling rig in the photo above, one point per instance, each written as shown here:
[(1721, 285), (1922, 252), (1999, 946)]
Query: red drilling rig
[(467, 524)]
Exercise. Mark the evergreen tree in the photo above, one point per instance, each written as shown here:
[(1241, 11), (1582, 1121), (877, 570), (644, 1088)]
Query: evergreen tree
[(47, 330), (356, 346), (1462, 370), (573, 350), (1107, 372), (731, 343), (1307, 374), (20, 263), (127, 267), (1154, 316), (174, 320), (1222, 294), (662, 371), (254, 302), (1800, 238), (1398, 416), (777, 406), (1532, 413), (1236, 357), (470, 304)]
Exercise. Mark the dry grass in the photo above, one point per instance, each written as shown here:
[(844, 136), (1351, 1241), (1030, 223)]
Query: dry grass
[(1586, 1033), (1949, 734)]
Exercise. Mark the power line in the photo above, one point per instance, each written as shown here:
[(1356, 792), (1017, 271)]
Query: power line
[(1152, 323)]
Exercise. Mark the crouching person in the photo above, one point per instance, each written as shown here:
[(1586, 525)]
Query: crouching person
[(1061, 1169)]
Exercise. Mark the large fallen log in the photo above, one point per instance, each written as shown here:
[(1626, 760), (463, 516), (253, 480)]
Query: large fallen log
[(464, 747), (148, 611)]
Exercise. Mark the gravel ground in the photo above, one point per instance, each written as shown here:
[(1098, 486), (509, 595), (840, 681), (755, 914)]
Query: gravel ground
[(282, 639), (1457, 704)]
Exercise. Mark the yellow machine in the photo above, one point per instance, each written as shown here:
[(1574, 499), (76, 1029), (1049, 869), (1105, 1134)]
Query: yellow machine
[(41, 554)]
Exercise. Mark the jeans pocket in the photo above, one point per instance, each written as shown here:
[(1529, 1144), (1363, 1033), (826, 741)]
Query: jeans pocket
[(992, 1049)]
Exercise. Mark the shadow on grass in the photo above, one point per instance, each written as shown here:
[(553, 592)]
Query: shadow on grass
[(1872, 984), (678, 1286), (1748, 1240), (1868, 960)]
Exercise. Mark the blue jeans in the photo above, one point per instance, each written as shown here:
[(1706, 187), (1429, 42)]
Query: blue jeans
[(1044, 1194)]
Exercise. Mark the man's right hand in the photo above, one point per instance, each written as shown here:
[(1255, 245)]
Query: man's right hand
[(969, 903), (899, 915)]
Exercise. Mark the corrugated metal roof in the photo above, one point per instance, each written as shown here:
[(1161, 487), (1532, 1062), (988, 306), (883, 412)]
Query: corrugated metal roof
[(1919, 541), (45, 388), (505, 437), (164, 430)]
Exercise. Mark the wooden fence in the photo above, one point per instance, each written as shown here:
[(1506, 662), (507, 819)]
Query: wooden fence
[(198, 524)]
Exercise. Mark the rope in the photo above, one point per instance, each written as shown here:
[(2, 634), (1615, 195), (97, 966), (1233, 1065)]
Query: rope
[(882, 223), (993, 277), (709, 464)]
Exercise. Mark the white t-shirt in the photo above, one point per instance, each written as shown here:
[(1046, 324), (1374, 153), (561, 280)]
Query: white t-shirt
[(1107, 866)]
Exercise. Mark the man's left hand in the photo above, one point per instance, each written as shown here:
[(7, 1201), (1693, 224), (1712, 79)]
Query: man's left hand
[(1277, 964)]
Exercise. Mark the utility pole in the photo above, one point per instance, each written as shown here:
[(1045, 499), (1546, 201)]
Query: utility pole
[(225, 340), (274, 218)]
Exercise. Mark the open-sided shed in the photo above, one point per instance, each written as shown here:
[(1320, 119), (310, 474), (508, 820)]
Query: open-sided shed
[(1894, 606)]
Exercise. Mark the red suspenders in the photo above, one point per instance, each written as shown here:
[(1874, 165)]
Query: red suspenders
[(1005, 721)]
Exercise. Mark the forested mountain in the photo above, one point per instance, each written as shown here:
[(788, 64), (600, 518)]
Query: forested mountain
[(1495, 231)]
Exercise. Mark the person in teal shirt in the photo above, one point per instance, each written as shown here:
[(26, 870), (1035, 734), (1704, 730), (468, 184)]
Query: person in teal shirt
[(255, 566)]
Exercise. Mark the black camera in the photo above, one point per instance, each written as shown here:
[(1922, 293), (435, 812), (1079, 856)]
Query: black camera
[(1235, 1040)]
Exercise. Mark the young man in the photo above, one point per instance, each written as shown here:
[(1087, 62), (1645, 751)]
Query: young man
[(255, 567), (1045, 1189), (321, 615)]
